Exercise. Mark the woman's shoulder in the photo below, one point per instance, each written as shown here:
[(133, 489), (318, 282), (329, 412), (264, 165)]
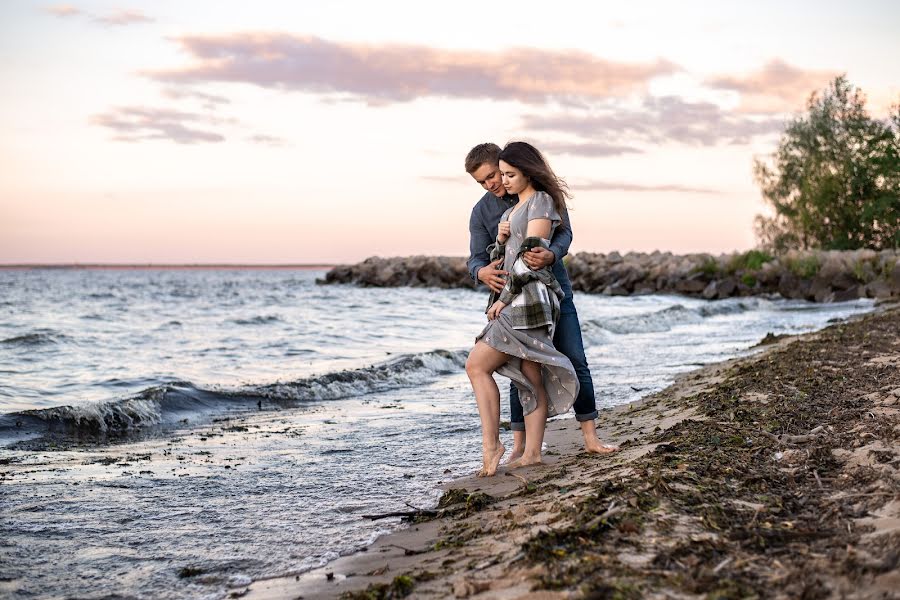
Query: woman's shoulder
[(542, 202)]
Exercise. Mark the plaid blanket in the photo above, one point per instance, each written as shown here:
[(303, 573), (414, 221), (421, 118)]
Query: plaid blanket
[(532, 297)]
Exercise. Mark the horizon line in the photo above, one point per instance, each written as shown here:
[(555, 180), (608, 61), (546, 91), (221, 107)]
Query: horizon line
[(165, 265)]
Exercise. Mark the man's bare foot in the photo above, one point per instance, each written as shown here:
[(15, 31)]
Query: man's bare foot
[(595, 446), (491, 461), (524, 461), (515, 455)]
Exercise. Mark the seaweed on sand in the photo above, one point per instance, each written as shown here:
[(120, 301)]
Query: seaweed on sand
[(753, 495)]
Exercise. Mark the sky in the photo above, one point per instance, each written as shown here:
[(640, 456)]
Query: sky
[(227, 131)]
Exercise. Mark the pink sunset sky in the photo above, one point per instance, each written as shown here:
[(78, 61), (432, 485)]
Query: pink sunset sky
[(209, 131)]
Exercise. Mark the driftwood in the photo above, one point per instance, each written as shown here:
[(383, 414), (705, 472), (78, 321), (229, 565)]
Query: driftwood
[(609, 512), (790, 440), (406, 514)]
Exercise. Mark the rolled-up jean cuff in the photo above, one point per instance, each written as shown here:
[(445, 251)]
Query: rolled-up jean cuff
[(588, 417), (517, 426)]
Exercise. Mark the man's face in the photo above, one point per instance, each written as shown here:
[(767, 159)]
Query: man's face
[(488, 176)]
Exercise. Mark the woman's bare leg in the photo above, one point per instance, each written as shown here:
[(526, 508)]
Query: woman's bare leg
[(480, 366), (536, 421)]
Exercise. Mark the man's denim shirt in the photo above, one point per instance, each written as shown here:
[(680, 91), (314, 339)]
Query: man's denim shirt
[(483, 232)]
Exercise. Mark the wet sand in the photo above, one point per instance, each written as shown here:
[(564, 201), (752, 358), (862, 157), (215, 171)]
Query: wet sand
[(772, 476)]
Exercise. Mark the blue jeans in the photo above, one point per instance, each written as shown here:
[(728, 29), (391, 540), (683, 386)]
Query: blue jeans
[(567, 340)]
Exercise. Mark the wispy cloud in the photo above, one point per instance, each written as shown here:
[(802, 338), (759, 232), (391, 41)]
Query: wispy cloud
[(658, 120), (118, 17), (388, 73), (124, 17), (619, 186), (776, 87), (209, 101), (464, 179), (267, 140), (134, 124), (589, 149), (64, 10), (592, 185)]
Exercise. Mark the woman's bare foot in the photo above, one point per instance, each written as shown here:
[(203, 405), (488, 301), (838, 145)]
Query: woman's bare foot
[(524, 461), (515, 454), (491, 460), (597, 447)]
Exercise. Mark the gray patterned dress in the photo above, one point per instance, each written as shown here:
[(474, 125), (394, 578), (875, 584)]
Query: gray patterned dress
[(534, 344)]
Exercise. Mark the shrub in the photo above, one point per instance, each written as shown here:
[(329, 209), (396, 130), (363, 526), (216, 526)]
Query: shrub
[(834, 182)]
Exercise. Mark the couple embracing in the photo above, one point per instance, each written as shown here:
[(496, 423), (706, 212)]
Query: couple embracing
[(519, 233)]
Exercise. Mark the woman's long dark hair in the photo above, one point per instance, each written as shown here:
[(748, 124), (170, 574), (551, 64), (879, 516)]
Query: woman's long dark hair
[(534, 166)]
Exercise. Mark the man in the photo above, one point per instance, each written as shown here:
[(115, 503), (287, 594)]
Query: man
[(482, 163)]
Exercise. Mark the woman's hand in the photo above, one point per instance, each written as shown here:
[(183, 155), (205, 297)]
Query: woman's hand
[(503, 232), (494, 311)]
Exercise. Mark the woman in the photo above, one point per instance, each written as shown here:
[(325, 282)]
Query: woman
[(517, 342)]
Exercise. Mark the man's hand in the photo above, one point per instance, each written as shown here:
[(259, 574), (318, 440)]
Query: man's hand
[(494, 311), (538, 258), (493, 277)]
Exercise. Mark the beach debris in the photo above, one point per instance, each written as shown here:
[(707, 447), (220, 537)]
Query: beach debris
[(464, 588), (405, 514), (528, 487), (771, 338), (400, 587), (379, 571)]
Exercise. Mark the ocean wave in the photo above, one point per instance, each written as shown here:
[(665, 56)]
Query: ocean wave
[(403, 371), (672, 316), (731, 307), (35, 338), (168, 404), (258, 320)]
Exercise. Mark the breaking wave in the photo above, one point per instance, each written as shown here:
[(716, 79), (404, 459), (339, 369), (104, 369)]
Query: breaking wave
[(167, 405), (36, 338), (667, 318)]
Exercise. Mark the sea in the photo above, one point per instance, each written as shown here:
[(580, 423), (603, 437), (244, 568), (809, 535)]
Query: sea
[(179, 433)]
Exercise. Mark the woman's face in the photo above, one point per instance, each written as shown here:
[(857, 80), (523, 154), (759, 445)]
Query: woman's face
[(513, 179)]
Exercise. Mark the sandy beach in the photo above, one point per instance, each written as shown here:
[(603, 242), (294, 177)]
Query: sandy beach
[(769, 476)]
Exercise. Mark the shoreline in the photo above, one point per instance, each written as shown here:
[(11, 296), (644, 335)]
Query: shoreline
[(772, 475)]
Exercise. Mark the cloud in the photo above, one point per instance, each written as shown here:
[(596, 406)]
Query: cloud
[(209, 101), (618, 186), (267, 140), (134, 124), (589, 149), (592, 185), (124, 17), (391, 73), (116, 18), (464, 179), (776, 87), (659, 120), (64, 10)]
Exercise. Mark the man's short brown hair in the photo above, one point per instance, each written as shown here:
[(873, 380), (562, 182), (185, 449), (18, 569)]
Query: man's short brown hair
[(480, 154)]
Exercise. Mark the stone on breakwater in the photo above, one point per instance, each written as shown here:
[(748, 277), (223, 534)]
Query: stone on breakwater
[(817, 275), (412, 271)]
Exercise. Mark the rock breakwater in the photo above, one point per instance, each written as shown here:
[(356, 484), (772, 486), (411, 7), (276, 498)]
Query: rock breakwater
[(816, 275)]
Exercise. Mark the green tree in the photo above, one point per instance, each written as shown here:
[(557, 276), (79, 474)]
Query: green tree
[(834, 181)]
